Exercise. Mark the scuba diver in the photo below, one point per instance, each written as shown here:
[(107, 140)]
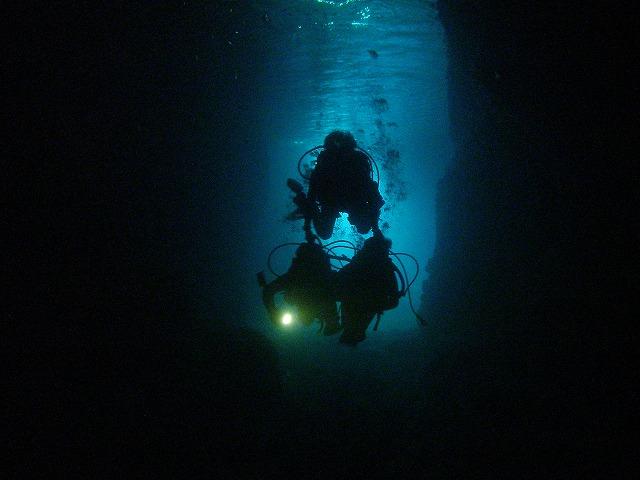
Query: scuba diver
[(308, 286), (367, 285), (341, 182)]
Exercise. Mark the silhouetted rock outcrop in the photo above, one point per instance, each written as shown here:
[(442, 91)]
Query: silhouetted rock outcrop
[(532, 280), (115, 365)]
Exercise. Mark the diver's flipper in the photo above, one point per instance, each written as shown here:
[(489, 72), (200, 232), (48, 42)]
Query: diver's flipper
[(294, 185), (295, 215)]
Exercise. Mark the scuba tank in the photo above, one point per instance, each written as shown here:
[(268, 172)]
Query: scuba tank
[(367, 286)]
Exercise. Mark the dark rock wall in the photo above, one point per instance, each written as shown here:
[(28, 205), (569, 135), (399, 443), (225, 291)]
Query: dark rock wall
[(114, 227), (122, 123), (534, 277)]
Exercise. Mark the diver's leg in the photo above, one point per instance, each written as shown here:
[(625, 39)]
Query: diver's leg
[(330, 319), (355, 322), (365, 212), (324, 222), (269, 292), (364, 219)]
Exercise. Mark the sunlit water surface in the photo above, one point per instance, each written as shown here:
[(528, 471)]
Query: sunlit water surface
[(375, 68)]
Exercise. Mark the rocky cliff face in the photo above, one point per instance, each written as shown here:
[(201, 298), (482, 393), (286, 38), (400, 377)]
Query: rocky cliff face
[(534, 269)]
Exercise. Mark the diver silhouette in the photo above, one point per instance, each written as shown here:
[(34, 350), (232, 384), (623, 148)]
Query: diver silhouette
[(308, 286), (341, 182), (366, 287)]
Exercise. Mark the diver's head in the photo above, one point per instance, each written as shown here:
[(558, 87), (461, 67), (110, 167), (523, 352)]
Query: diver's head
[(339, 140), (312, 257), (377, 246)]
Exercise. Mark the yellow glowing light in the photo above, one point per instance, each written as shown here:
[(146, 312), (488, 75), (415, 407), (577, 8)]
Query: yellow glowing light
[(287, 319)]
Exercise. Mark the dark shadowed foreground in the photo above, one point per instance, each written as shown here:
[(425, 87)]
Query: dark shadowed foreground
[(123, 351)]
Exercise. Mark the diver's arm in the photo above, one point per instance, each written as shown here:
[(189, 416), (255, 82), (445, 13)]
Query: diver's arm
[(312, 192), (317, 174), (362, 161), (268, 294)]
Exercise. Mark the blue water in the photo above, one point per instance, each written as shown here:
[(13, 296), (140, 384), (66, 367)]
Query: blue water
[(375, 68)]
